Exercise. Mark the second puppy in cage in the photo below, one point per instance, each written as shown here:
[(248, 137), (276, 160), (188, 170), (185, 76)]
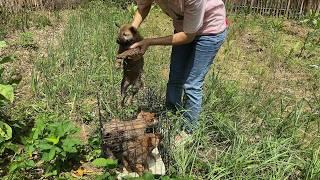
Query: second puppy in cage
[(139, 152), (117, 134), (131, 60)]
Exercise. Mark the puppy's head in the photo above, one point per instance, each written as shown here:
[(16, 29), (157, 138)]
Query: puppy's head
[(127, 34), (148, 117)]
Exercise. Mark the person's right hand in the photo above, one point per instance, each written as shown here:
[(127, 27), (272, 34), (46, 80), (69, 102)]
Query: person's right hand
[(142, 45)]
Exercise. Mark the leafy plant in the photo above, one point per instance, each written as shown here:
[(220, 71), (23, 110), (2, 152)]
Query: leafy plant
[(102, 162), (3, 44), (41, 21), (277, 25), (6, 95), (311, 41), (312, 19), (51, 144)]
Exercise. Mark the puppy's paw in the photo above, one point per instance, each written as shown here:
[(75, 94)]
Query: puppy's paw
[(140, 169), (118, 64)]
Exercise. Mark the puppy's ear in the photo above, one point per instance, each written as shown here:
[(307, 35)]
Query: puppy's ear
[(133, 30), (118, 41), (117, 24)]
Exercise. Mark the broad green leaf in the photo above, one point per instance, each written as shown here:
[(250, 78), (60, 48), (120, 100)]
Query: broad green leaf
[(54, 140), (105, 176), (165, 178), (53, 173), (148, 176), (48, 156), (102, 162), (63, 154), (13, 167), (5, 132), (30, 149), (7, 92), (69, 145), (45, 146), (11, 146), (315, 22), (30, 163), (3, 44), (65, 128), (58, 149), (7, 59), (38, 129)]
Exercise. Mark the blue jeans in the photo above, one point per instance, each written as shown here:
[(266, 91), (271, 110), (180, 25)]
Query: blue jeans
[(189, 65)]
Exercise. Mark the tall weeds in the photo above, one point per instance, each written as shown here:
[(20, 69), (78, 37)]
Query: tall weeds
[(245, 133)]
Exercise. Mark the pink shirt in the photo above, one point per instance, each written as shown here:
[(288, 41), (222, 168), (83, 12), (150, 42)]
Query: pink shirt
[(193, 16)]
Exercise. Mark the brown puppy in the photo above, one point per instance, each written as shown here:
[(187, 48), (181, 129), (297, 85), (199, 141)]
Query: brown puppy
[(139, 151), (132, 61), (135, 127), (117, 134)]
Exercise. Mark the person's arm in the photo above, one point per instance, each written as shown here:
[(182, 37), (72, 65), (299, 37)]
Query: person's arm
[(193, 20), (140, 15), (176, 39)]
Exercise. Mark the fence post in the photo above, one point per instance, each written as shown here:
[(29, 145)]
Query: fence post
[(288, 8), (301, 8), (309, 5), (276, 8), (251, 5)]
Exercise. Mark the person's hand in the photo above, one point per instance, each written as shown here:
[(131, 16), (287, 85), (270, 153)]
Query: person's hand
[(142, 45)]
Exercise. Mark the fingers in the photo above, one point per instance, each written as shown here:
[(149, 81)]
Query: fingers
[(143, 49), (142, 45), (135, 45)]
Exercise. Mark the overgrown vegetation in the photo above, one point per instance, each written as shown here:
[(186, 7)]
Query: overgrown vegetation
[(261, 117)]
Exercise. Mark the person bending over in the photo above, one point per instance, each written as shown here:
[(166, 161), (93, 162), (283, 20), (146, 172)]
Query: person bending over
[(199, 31)]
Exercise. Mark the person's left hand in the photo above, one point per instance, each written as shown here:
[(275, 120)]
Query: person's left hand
[(143, 45)]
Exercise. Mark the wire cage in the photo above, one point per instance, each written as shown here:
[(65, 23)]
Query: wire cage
[(139, 145)]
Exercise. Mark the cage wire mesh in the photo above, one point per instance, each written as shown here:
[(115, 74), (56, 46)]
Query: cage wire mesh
[(140, 144)]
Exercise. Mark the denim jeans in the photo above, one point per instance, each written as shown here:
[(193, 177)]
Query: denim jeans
[(189, 65)]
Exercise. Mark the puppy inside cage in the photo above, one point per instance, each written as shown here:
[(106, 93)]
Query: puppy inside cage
[(137, 144)]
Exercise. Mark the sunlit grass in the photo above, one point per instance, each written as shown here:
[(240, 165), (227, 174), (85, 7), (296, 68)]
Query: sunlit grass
[(247, 131)]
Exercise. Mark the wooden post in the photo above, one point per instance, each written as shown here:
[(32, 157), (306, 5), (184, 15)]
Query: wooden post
[(278, 8), (309, 5), (262, 7), (257, 6), (288, 8), (301, 8), (251, 5), (265, 12), (275, 5)]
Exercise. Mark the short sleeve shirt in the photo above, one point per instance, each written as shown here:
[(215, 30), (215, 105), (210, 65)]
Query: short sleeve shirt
[(193, 16)]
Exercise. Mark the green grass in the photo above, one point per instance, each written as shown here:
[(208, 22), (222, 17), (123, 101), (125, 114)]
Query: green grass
[(260, 116)]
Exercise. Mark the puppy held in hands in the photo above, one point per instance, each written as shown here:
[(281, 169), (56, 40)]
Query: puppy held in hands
[(131, 60)]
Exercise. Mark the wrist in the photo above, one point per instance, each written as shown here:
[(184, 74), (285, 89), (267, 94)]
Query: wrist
[(148, 41), (135, 25)]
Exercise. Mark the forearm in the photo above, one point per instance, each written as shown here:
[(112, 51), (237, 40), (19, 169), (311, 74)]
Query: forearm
[(176, 39), (140, 15)]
